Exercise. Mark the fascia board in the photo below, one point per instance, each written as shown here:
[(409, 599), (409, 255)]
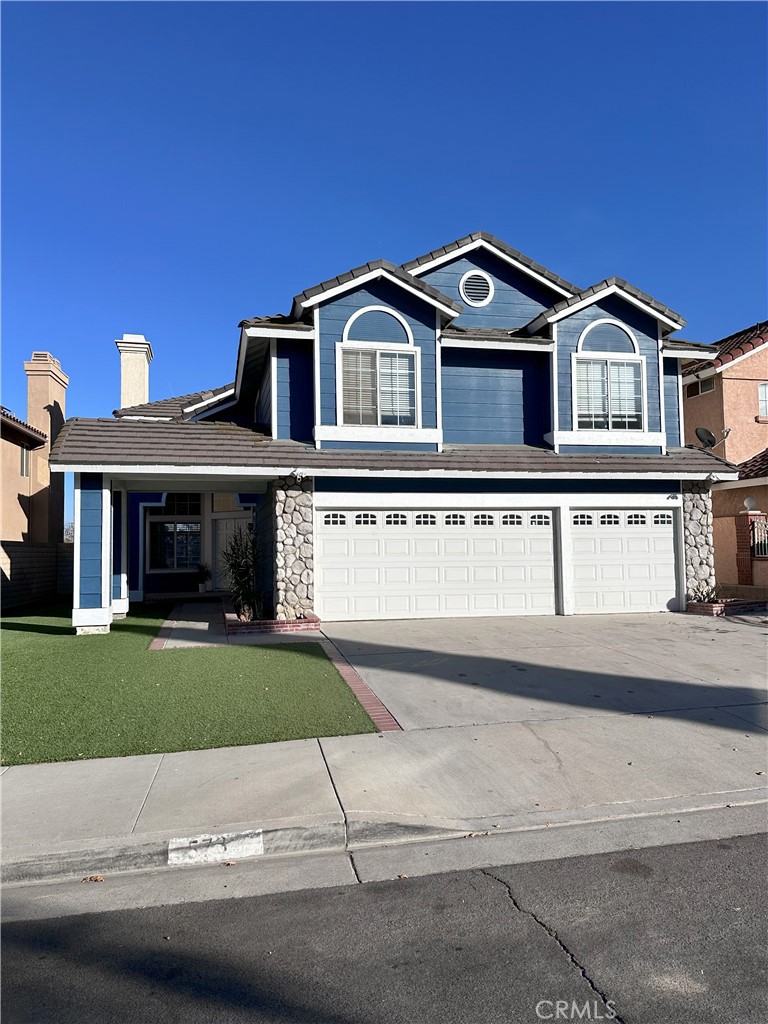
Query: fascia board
[(374, 275), (590, 300)]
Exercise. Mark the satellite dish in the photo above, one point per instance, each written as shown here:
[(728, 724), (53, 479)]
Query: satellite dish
[(706, 437)]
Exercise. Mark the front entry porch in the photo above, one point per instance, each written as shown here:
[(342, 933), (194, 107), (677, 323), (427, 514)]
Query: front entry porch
[(139, 539)]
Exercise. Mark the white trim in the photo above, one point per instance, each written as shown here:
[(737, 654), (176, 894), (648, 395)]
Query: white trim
[(316, 367), (123, 548), (374, 275), (106, 542), (590, 300), (553, 388), (76, 551), (487, 278), (361, 432), (213, 400), (564, 602), (152, 419), (480, 243), (215, 408), (680, 406), (277, 332), (614, 323), (510, 346), (607, 437), (712, 370), (273, 386), (615, 357), (377, 309), (755, 481), (679, 548), (372, 346), (561, 499), (290, 469), (686, 353), (241, 349), (662, 391), (91, 617), (439, 379)]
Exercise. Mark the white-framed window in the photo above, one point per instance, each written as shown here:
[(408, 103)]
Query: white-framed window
[(582, 519), (396, 519), (482, 519), (455, 519), (366, 519), (334, 519), (24, 461), (476, 288), (425, 519), (636, 519), (379, 387), (174, 534), (511, 519), (609, 393), (700, 387), (540, 519), (662, 519), (610, 519), (762, 399)]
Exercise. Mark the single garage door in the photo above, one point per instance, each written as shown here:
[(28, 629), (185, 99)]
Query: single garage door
[(394, 563), (623, 561)]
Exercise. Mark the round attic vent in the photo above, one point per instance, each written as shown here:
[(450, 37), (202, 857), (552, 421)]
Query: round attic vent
[(476, 288)]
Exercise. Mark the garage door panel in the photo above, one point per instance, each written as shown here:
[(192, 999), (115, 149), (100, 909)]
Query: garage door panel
[(390, 563)]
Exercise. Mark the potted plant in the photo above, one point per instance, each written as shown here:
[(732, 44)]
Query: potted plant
[(203, 577)]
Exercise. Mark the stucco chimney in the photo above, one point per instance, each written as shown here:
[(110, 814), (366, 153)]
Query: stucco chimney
[(135, 356), (46, 403)]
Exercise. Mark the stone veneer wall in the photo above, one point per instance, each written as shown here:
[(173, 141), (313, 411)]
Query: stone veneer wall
[(294, 548), (698, 537)]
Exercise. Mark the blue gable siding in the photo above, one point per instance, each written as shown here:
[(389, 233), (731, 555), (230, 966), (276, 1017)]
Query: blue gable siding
[(494, 397), (517, 297), (420, 316), (672, 401), (90, 540), (644, 329), (295, 401), (263, 416)]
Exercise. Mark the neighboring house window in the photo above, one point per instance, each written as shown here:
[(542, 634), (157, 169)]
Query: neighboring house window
[(609, 394), (379, 371), (174, 534), (762, 399), (24, 465), (700, 387)]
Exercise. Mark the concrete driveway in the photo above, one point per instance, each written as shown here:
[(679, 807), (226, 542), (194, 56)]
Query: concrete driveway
[(457, 672)]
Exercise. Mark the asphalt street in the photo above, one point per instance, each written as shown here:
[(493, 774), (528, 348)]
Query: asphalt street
[(653, 936)]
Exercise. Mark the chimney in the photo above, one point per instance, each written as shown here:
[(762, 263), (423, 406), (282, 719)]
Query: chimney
[(46, 402), (135, 356)]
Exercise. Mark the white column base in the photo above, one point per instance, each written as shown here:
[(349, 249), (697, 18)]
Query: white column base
[(90, 630), (91, 620), (120, 607)]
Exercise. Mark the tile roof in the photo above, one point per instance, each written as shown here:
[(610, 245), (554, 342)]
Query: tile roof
[(492, 334), (351, 276), (204, 443), (755, 467), (735, 345), (514, 254), (680, 345), (276, 320), (171, 408), (9, 420), (596, 289)]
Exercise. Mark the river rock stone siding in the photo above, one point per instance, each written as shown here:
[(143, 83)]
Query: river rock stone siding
[(698, 538), (294, 548)]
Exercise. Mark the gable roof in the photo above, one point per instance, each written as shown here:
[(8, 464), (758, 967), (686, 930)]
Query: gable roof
[(171, 408), (17, 426), (276, 320), (755, 467), (609, 286), (371, 271), (733, 347), (484, 239)]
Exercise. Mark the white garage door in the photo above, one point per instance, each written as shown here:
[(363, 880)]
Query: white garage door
[(395, 563), (623, 561)]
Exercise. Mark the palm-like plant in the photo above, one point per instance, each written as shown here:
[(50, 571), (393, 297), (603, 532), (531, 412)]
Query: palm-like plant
[(240, 558)]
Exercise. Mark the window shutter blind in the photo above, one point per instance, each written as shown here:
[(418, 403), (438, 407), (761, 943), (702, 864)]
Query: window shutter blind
[(397, 389), (626, 396), (359, 387), (592, 394)]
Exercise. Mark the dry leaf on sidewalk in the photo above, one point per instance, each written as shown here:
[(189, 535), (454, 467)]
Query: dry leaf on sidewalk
[(93, 878)]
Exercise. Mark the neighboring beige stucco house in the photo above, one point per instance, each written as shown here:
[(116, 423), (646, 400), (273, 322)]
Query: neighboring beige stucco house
[(731, 394)]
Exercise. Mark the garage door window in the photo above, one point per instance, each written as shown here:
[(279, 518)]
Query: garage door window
[(425, 519), (636, 519), (610, 519), (335, 519), (582, 519), (365, 519), (662, 519), (511, 519), (455, 519), (540, 520)]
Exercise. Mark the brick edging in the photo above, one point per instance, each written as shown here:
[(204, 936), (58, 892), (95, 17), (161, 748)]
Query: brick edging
[(165, 630), (729, 606), (380, 715)]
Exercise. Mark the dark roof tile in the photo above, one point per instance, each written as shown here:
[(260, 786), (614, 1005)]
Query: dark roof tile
[(730, 348), (595, 289), (170, 408), (755, 467)]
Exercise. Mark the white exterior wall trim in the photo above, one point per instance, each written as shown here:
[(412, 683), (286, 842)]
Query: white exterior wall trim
[(374, 275)]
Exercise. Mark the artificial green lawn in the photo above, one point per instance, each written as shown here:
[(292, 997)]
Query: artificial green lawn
[(68, 697)]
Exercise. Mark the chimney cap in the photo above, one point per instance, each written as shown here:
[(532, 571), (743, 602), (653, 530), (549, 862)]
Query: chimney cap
[(135, 343)]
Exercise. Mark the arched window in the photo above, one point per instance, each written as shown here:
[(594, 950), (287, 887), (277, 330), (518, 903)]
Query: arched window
[(607, 336), (379, 366), (376, 324)]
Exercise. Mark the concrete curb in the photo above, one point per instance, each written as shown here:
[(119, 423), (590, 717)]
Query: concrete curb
[(248, 841)]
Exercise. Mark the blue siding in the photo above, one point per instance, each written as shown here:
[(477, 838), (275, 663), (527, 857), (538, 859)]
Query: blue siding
[(494, 397), (420, 316), (672, 401), (430, 485), (644, 329), (295, 398), (117, 542), (90, 540), (517, 298), (263, 415)]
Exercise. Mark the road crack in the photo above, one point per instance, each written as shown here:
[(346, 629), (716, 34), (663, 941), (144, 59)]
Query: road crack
[(609, 1005)]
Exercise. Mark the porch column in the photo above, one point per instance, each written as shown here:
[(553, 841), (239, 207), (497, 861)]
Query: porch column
[(744, 521), (92, 599), (698, 538), (294, 548), (119, 555)]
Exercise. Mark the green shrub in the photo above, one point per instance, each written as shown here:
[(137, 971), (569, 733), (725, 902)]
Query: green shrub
[(241, 558)]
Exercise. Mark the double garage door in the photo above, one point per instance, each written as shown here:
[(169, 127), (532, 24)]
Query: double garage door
[(394, 563)]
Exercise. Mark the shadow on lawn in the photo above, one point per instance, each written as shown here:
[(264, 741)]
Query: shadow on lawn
[(47, 621)]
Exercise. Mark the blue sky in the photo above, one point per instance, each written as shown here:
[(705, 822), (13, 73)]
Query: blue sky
[(171, 168)]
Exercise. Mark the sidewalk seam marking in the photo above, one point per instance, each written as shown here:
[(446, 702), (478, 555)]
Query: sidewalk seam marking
[(146, 795), (338, 797), (556, 938)]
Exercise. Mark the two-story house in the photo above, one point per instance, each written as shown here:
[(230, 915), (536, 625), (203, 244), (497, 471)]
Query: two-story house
[(466, 434)]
